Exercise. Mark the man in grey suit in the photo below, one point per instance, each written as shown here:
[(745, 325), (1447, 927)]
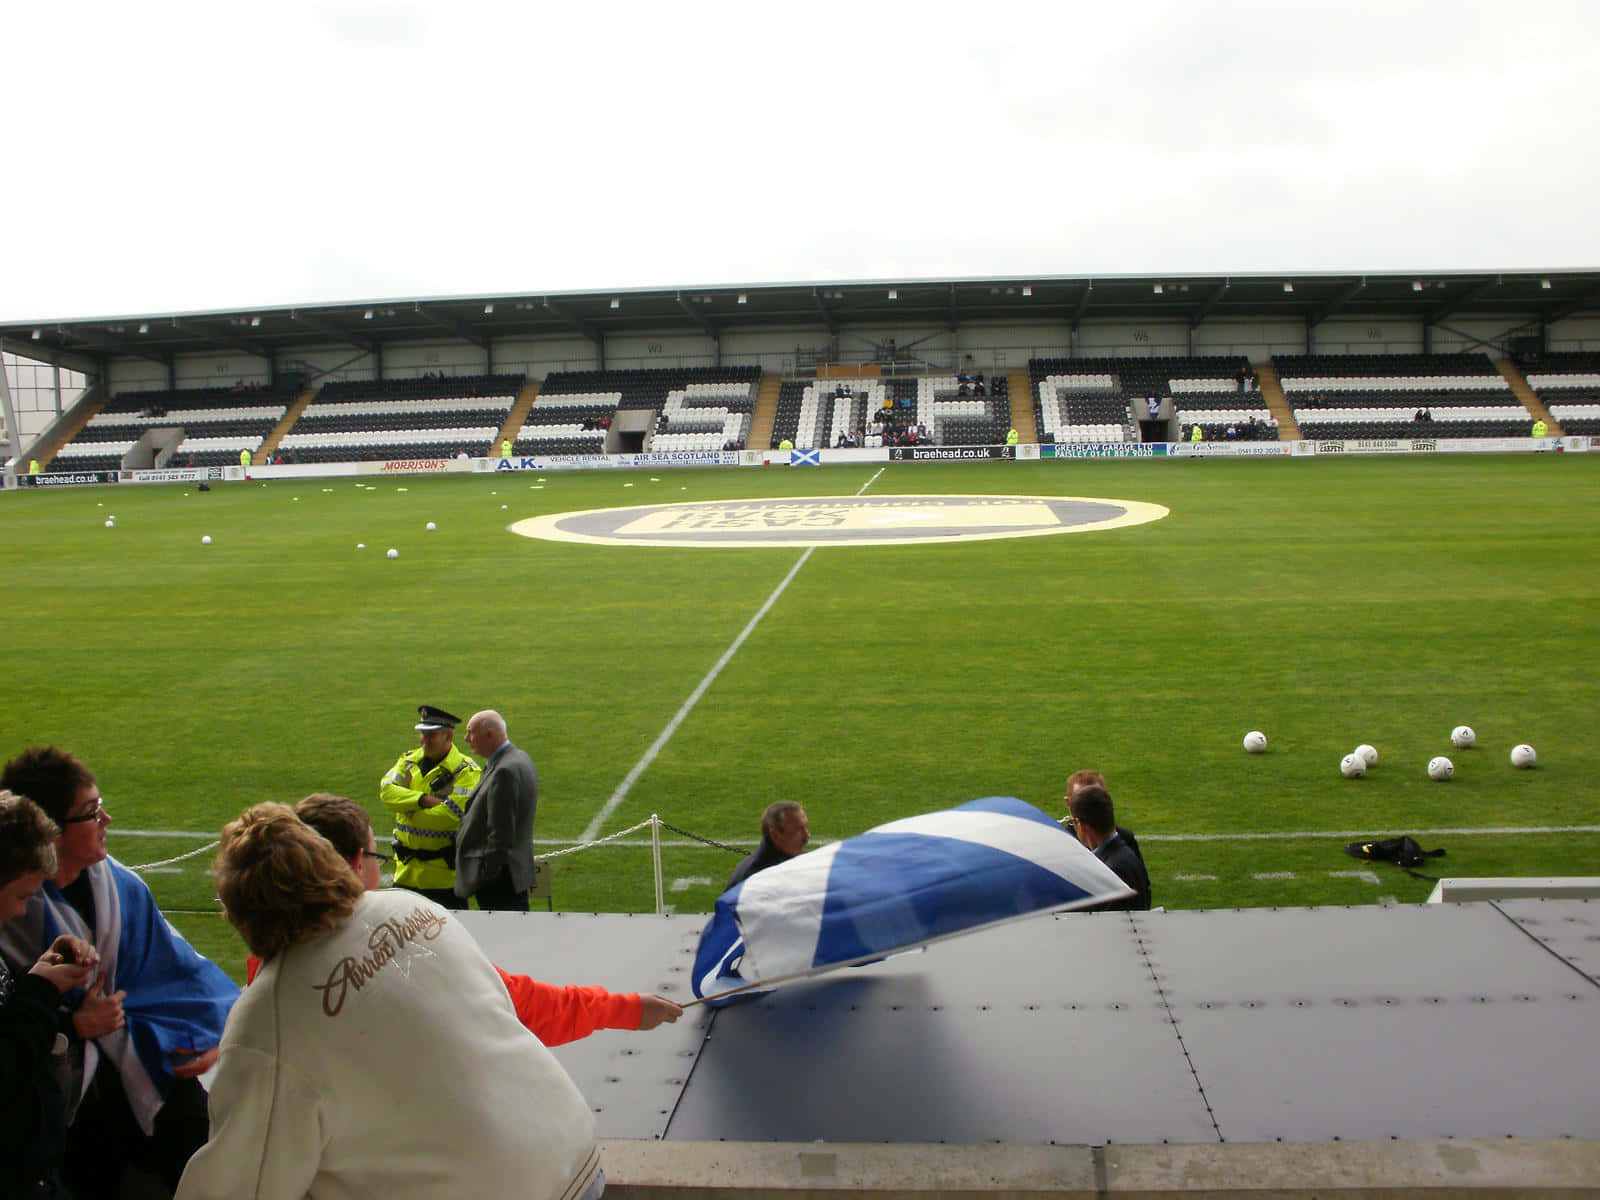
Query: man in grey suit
[(494, 849)]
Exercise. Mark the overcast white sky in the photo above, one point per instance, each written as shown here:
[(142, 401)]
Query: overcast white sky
[(177, 155)]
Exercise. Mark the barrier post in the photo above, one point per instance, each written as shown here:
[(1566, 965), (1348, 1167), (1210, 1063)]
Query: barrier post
[(655, 850)]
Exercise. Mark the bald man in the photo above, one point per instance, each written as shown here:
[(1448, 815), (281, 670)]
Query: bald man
[(494, 850)]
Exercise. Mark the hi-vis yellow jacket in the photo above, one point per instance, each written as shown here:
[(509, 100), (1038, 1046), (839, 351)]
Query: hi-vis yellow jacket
[(425, 838)]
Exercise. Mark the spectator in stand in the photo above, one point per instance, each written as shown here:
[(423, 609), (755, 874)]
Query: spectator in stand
[(555, 1015), (377, 1053), (33, 1112), (137, 1041)]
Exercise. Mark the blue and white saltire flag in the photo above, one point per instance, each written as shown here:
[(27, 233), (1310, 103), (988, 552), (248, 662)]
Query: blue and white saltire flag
[(174, 999), (893, 888)]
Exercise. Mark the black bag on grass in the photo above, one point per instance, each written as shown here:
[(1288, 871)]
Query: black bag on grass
[(1403, 852)]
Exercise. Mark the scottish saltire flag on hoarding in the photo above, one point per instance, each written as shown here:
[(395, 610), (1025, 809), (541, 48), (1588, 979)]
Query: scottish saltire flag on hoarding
[(896, 887)]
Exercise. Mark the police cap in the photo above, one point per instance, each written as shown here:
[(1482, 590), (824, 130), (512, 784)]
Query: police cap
[(429, 717)]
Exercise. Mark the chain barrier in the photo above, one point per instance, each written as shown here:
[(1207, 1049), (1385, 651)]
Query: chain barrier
[(610, 837), (167, 862), (708, 841)]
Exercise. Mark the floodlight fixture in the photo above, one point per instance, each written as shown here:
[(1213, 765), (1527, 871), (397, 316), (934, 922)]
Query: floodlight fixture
[(615, 303), (488, 309), (742, 297), (1416, 285), (1288, 286), (893, 294), (1027, 290), (1545, 284), (367, 316), (1158, 289), (144, 327)]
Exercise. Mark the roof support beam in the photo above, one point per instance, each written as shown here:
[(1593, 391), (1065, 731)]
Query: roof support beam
[(1207, 306), (1083, 304), (1589, 303), (452, 326), (222, 341), (586, 328), (828, 318), (955, 312), (1341, 298), (369, 345), (699, 318), (1461, 299)]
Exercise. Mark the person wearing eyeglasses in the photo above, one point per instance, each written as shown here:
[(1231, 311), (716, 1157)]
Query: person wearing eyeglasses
[(554, 1014), (144, 1031), (377, 1052)]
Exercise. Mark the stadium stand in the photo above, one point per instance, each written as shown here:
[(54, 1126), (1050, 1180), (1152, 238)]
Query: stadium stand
[(211, 426), (1569, 385), (696, 408), (1381, 396), (1091, 399), (815, 413), (403, 418)]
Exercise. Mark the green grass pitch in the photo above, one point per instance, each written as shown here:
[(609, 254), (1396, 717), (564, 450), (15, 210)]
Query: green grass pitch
[(1325, 602)]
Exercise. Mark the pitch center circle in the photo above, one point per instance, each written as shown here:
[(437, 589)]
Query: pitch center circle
[(838, 520)]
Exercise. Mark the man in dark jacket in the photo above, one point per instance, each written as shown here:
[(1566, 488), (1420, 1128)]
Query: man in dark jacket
[(1094, 822), (494, 850), (784, 833)]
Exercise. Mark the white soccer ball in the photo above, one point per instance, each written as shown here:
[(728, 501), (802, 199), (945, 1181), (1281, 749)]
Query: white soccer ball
[(1369, 754), (206, 540), (393, 553), (1352, 766), (1255, 741), (111, 524), (1440, 768), (361, 545), (431, 527), (1523, 755), (1462, 736)]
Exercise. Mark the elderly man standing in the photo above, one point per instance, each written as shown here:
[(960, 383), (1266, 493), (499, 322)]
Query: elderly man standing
[(494, 850), (427, 790), (784, 833)]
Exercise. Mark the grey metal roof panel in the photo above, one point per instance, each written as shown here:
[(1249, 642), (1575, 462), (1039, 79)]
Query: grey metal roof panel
[(1569, 929), (1305, 1025)]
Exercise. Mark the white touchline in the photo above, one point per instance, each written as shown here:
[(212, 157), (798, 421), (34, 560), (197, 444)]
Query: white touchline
[(592, 830)]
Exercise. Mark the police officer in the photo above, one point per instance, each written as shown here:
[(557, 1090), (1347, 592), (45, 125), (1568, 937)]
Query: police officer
[(427, 790)]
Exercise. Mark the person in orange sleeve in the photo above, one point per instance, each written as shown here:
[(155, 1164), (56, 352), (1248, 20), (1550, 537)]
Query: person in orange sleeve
[(552, 1013)]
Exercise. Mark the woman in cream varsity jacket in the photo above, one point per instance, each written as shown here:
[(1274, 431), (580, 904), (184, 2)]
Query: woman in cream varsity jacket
[(377, 1053)]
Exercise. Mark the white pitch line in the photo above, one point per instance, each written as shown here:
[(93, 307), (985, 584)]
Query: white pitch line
[(1365, 876), (1273, 875), (592, 830), (1360, 833)]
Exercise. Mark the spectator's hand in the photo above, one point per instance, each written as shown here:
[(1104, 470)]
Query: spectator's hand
[(656, 1010), (70, 962), (99, 1014), (191, 1064)]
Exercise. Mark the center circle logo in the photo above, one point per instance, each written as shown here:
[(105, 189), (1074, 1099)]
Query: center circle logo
[(839, 520)]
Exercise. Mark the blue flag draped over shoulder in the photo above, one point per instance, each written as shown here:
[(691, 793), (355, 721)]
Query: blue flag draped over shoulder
[(175, 1000), (895, 887)]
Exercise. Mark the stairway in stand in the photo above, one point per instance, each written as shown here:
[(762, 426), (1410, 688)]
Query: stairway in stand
[(290, 416), (515, 418), (1530, 400), (1277, 402), (766, 412), (1020, 393)]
